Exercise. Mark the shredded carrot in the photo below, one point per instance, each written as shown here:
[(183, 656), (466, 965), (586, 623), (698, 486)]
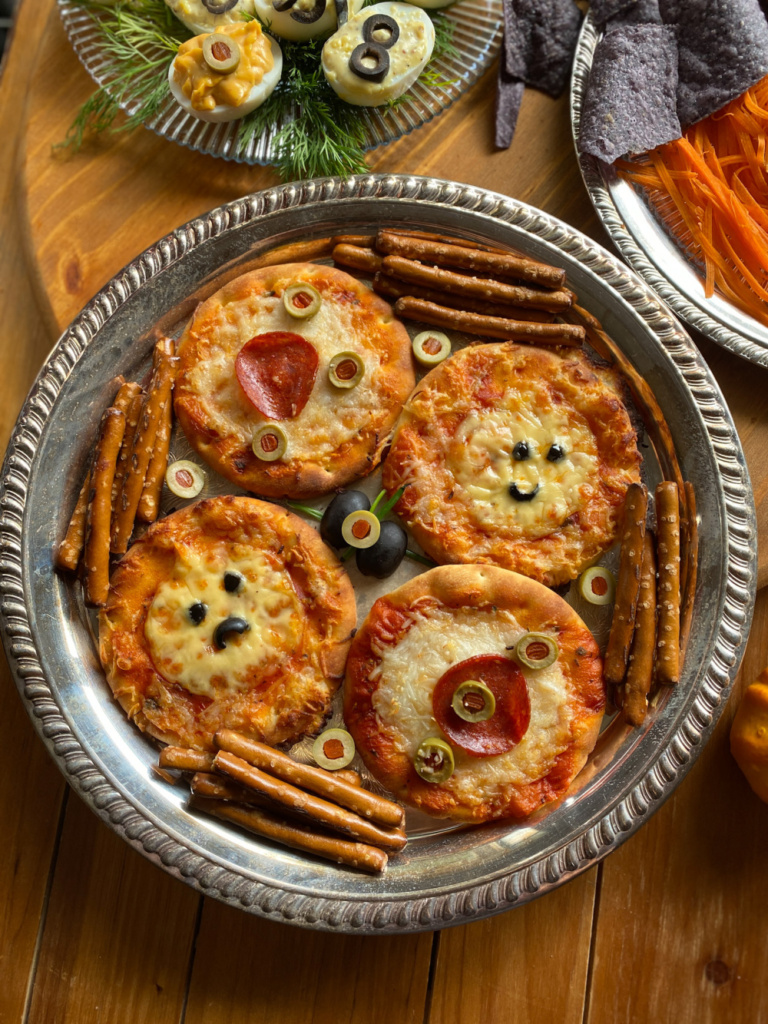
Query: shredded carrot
[(711, 189)]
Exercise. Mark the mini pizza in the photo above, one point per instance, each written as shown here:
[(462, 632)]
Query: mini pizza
[(474, 693), (515, 456), (291, 378), (230, 613)]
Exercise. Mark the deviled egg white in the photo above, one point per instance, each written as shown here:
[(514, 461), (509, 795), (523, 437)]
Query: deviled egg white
[(378, 54), (431, 5), (224, 75), (209, 15), (300, 20)]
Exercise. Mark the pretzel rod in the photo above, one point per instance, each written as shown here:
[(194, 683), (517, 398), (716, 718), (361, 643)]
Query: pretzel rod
[(489, 326), (640, 669), (628, 584), (99, 514), (291, 252), (451, 240), (214, 787), (149, 502), (356, 855), (316, 780), (391, 288), (465, 258), (320, 811), (143, 443), (70, 549), (131, 421), (692, 566), (348, 775), (357, 258), (479, 287), (186, 759), (360, 241), (668, 592)]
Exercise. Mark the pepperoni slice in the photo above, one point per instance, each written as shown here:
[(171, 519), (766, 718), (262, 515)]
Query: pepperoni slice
[(509, 722), (276, 371)]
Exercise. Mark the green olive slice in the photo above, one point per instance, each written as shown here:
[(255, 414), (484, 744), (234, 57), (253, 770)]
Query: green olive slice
[(434, 760), (346, 370), (269, 442), (536, 650), (473, 701), (361, 529), (221, 52), (184, 479), (431, 347), (302, 300), (597, 585), (333, 749)]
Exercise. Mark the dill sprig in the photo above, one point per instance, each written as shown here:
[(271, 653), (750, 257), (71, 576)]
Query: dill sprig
[(314, 132)]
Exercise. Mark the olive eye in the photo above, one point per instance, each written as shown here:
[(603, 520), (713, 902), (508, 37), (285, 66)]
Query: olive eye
[(555, 453), (521, 451), (233, 581), (197, 612)]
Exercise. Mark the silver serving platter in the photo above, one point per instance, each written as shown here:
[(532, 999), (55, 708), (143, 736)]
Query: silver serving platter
[(444, 876), (645, 243), (476, 36)]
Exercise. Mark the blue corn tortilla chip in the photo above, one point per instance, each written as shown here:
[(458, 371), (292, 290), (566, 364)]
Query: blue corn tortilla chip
[(603, 10), (639, 12), (509, 96), (723, 50), (539, 41), (630, 101)]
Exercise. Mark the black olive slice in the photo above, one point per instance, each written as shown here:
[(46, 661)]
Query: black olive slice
[(342, 12), (233, 581), (381, 23), (376, 72), (556, 452), (519, 495), (197, 612), (233, 624), (304, 17), (521, 451), (219, 6)]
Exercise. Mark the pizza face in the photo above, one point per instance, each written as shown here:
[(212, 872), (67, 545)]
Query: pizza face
[(517, 457), (286, 404), (228, 614), (452, 632)]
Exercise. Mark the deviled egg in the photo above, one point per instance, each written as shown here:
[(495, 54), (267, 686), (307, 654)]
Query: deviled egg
[(300, 20), (378, 54), (224, 75), (209, 15)]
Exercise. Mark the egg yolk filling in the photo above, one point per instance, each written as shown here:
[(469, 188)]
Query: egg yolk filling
[(206, 88)]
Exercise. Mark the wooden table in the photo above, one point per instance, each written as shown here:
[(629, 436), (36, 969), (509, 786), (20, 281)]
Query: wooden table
[(671, 927)]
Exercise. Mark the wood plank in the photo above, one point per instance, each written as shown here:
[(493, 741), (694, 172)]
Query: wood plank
[(683, 902), (287, 976), (118, 934), (526, 966)]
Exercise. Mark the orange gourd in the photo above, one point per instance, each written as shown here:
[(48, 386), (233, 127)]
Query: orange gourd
[(749, 735)]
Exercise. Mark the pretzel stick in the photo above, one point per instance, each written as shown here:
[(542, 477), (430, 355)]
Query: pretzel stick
[(480, 287), (70, 549), (357, 258), (450, 240), (692, 567), (99, 515), (444, 255), (348, 775), (360, 241), (489, 326), (356, 855), (317, 780), (157, 396), (628, 584), (149, 503), (391, 288), (131, 421), (213, 787), (668, 594), (186, 759), (640, 670), (320, 811)]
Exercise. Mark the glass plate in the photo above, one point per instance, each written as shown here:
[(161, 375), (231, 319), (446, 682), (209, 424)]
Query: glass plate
[(476, 36), (645, 243)]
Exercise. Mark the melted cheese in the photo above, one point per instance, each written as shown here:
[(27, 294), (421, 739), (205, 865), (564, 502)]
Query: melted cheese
[(407, 676), (185, 653), (332, 416), (482, 463)]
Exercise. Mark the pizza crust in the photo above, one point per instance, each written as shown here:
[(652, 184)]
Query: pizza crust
[(340, 434), (453, 451), (276, 681), (441, 618)]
